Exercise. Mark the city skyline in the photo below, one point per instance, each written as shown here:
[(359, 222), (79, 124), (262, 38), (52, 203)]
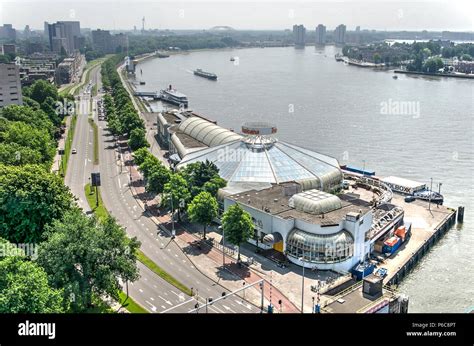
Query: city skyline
[(247, 15)]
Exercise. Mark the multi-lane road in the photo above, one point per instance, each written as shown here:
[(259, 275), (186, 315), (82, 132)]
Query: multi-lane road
[(150, 291)]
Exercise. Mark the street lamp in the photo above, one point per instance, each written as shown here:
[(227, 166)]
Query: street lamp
[(431, 191), (313, 306), (302, 287), (173, 232), (223, 246)]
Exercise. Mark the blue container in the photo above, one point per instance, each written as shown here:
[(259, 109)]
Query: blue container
[(360, 171), (363, 270)]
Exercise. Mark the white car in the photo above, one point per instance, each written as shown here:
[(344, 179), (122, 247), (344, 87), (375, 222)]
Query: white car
[(74, 151)]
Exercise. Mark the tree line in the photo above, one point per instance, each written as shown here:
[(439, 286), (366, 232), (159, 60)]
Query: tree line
[(53, 258), (122, 118)]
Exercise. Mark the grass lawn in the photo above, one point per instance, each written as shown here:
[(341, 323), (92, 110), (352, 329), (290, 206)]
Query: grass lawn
[(96, 140), (131, 305), (161, 273), (67, 146), (100, 211)]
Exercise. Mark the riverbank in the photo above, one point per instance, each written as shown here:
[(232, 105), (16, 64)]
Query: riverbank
[(450, 75)]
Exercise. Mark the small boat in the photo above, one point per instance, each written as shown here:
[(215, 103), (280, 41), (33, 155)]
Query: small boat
[(395, 76), (232, 59), (142, 82)]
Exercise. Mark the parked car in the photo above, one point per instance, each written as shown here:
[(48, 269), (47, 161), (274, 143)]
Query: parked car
[(409, 199), (74, 151)]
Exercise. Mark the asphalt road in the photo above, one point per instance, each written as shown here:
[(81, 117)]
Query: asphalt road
[(150, 291)]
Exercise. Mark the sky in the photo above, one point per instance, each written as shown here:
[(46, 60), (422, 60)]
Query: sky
[(436, 15)]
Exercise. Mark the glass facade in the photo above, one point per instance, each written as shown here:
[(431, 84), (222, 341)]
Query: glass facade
[(320, 248)]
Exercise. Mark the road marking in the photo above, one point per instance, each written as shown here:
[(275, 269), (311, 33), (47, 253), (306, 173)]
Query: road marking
[(153, 308), (141, 291)]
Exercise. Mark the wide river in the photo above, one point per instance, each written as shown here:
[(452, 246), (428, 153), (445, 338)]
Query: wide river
[(414, 127)]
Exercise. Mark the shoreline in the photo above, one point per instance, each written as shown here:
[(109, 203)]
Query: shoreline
[(464, 76)]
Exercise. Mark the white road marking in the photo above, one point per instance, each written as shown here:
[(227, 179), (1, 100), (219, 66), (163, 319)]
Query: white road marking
[(141, 291)]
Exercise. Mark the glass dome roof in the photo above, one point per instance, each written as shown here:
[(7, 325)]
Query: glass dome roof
[(276, 163)]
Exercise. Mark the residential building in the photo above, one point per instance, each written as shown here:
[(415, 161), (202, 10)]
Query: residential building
[(299, 35), (340, 34), (69, 69), (104, 42), (10, 86), (8, 49), (37, 66), (320, 34)]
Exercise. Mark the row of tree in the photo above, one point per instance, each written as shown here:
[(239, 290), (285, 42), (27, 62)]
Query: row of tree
[(122, 117), (193, 190), (73, 260)]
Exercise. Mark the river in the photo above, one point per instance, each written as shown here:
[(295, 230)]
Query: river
[(414, 127)]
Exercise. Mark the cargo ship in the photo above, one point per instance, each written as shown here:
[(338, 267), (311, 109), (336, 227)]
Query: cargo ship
[(172, 96), (208, 75)]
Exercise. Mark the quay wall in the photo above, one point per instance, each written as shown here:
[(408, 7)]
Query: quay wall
[(443, 227)]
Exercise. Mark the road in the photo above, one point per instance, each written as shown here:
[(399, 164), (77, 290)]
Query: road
[(150, 291)]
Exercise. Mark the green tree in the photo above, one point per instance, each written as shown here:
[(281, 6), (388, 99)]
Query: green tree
[(466, 57), (203, 209), (88, 257), (237, 225), (29, 136), (213, 185), (17, 155), (157, 178), (137, 139), (28, 115), (197, 174), (41, 89), (24, 288), (140, 155), (433, 65), (377, 58), (176, 193), (30, 198)]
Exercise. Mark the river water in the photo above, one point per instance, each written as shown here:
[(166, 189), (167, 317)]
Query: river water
[(413, 127)]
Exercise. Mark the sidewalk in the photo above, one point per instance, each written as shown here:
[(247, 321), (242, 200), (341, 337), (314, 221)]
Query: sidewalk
[(188, 243), (61, 145)]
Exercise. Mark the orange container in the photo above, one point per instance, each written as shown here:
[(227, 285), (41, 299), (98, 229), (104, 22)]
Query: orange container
[(391, 241), (401, 232)]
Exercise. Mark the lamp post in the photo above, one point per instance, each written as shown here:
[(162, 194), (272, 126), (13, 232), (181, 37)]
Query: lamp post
[(431, 191), (313, 306), (223, 247), (173, 232), (302, 287)]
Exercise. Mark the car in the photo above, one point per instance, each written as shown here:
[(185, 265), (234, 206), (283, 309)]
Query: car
[(409, 199), (74, 151)]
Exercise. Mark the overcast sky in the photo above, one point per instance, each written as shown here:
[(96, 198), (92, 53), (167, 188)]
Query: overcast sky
[(455, 15)]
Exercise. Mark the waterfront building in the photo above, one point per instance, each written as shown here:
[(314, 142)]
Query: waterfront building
[(10, 86), (293, 194), (340, 34), (64, 35), (320, 34), (299, 35)]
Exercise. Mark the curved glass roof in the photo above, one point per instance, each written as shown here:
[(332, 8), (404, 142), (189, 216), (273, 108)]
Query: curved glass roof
[(320, 248), (315, 202), (207, 132), (276, 163)]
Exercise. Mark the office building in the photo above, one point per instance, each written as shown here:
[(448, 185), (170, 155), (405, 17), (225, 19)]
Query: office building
[(7, 32), (64, 35), (10, 86), (104, 42)]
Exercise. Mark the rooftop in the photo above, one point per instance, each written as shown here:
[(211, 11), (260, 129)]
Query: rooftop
[(353, 300), (275, 200)]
